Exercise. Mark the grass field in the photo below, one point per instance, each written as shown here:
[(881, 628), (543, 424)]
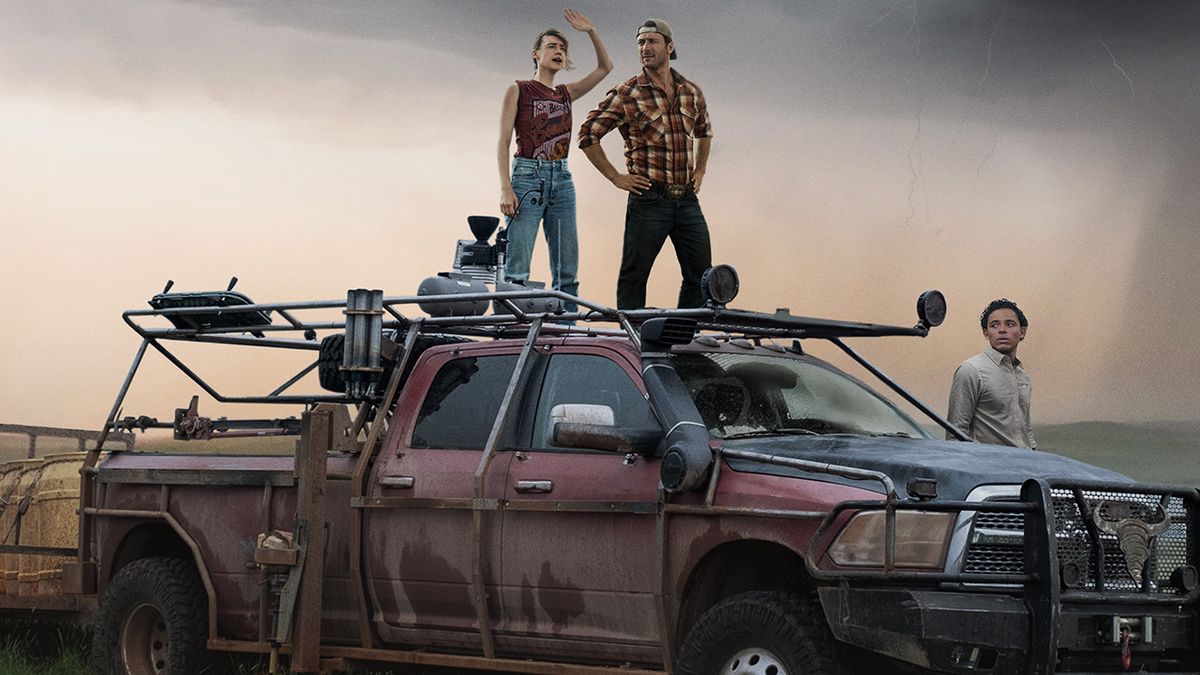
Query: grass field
[(14, 446), (29, 649), (1163, 452)]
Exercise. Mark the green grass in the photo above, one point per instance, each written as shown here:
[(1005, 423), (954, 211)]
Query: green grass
[(1163, 452), (40, 649)]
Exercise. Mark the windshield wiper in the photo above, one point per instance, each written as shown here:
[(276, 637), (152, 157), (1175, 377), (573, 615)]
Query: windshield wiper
[(891, 434), (775, 432)]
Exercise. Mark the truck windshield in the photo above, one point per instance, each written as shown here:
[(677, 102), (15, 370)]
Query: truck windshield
[(741, 395)]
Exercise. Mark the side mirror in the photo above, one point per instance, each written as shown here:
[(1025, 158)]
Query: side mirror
[(582, 425)]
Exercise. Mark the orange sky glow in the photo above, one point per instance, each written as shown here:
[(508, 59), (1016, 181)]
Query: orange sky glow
[(311, 153)]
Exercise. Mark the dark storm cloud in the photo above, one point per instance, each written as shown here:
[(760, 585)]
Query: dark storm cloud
[(987, 49), (998, 50)]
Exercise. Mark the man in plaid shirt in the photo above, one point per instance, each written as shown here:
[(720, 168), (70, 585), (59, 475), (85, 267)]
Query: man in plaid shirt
[(658, 113)]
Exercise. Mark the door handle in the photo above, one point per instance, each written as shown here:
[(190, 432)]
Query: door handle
[(398, 482), (534, 486)]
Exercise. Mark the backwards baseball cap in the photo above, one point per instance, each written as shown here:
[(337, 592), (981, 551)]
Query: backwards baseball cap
[(658, 26)]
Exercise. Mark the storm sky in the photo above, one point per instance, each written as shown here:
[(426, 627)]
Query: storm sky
[(863, 152)]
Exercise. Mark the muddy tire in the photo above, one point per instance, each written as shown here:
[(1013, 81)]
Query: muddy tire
[(760, 633), (153, 621)]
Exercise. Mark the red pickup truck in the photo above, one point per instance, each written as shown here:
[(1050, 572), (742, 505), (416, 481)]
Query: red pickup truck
[(678, 490)]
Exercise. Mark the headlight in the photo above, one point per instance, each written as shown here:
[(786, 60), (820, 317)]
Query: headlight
[(921, 539)]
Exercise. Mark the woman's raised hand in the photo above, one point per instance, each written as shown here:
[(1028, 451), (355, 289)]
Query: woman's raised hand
[(578, 21)]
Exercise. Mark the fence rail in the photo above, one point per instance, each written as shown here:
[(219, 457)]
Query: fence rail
[(81, 435)]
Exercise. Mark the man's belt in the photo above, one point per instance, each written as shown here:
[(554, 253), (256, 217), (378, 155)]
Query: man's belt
[(672, 190)]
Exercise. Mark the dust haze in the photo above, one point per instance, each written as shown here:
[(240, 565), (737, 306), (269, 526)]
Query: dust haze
[(863, 152)]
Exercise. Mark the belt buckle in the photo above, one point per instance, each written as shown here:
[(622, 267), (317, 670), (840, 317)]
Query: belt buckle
[(675, 191)]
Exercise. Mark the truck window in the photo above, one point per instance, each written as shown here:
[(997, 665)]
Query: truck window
[(749, 394), (584, 378), (462, 403)]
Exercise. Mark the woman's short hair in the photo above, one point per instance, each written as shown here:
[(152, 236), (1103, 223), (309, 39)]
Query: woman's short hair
[(537, 44)]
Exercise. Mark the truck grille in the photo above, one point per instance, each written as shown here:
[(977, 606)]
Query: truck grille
[(996, 547)]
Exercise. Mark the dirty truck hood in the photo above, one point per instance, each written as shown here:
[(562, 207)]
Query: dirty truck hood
[(957, 467)]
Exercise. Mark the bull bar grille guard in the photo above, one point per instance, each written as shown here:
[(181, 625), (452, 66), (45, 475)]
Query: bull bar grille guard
[(1041, 580)]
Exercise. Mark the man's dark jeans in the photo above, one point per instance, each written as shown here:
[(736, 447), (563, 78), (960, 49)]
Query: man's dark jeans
[(650, 218)]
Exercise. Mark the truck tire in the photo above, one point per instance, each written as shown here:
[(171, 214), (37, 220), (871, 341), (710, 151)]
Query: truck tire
[(760, 633), (333, 350), (153, 621)]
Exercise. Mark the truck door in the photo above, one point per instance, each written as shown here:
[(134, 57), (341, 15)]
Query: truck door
[(579, 525), (418, 529)]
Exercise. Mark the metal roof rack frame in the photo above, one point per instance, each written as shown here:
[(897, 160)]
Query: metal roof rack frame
[(213, 325)]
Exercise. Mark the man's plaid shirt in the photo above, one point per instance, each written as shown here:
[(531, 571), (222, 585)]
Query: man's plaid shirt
[(658, 133)]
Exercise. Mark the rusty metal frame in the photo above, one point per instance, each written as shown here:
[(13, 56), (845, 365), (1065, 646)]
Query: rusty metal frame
[(80, 435), (165, 516), (442, 660), (87, 480), (749, 324), (359, 483), (312, 457), (478, 590)]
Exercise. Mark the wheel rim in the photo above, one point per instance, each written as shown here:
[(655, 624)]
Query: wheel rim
[(754, 661), (144, 642)]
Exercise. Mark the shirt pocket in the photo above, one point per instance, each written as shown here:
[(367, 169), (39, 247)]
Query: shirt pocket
[(652, 126), (687, 112)]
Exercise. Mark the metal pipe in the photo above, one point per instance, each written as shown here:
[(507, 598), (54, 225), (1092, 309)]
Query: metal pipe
[(634, 337), (942, 422), (818, 467), (201, 568), (661, 610), (747, 511), (116, 406), (295, 378), (479, 595), (358, 486), (375, 333), (713, 477), (86, 480)]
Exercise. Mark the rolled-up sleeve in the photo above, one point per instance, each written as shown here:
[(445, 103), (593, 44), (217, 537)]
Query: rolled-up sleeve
[(703, 127), (608, 115), (964, 393)]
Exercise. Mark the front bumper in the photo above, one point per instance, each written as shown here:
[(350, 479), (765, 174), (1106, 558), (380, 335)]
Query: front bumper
[(1046, 616), (956, 632)]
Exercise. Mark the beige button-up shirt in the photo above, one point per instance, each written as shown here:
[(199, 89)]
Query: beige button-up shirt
[(989, 400)]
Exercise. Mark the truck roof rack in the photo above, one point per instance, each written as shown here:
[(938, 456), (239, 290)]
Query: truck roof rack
[(373, 323)]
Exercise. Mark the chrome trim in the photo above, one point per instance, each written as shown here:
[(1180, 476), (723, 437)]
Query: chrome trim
[(398, 482), (960, 539), (534, 486), (988, 536)]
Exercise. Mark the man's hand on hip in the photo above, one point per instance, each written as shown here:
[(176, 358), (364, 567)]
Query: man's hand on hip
[(697, 178), (631, 182)]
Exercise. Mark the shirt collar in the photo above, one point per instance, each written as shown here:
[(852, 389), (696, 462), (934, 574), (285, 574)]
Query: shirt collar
[(998, 358), (644, 80)]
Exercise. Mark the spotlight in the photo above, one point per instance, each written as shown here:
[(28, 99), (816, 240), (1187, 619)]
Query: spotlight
[(931, 308), (720, 285)]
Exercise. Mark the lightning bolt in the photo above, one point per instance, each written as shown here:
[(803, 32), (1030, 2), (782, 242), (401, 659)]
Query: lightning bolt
[(1117, 66), (914, 169), (989, 154)]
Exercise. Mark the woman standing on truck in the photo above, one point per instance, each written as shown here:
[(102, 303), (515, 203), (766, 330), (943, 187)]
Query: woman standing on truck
[(540, 188)]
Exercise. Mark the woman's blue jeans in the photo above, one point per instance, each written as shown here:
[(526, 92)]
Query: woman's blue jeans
[(546, 195)]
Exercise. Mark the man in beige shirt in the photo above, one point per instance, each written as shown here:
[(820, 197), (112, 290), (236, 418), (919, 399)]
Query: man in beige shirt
[(989, 399)]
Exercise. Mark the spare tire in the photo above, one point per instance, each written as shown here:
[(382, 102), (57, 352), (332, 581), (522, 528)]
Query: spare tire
[(333, 349)]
